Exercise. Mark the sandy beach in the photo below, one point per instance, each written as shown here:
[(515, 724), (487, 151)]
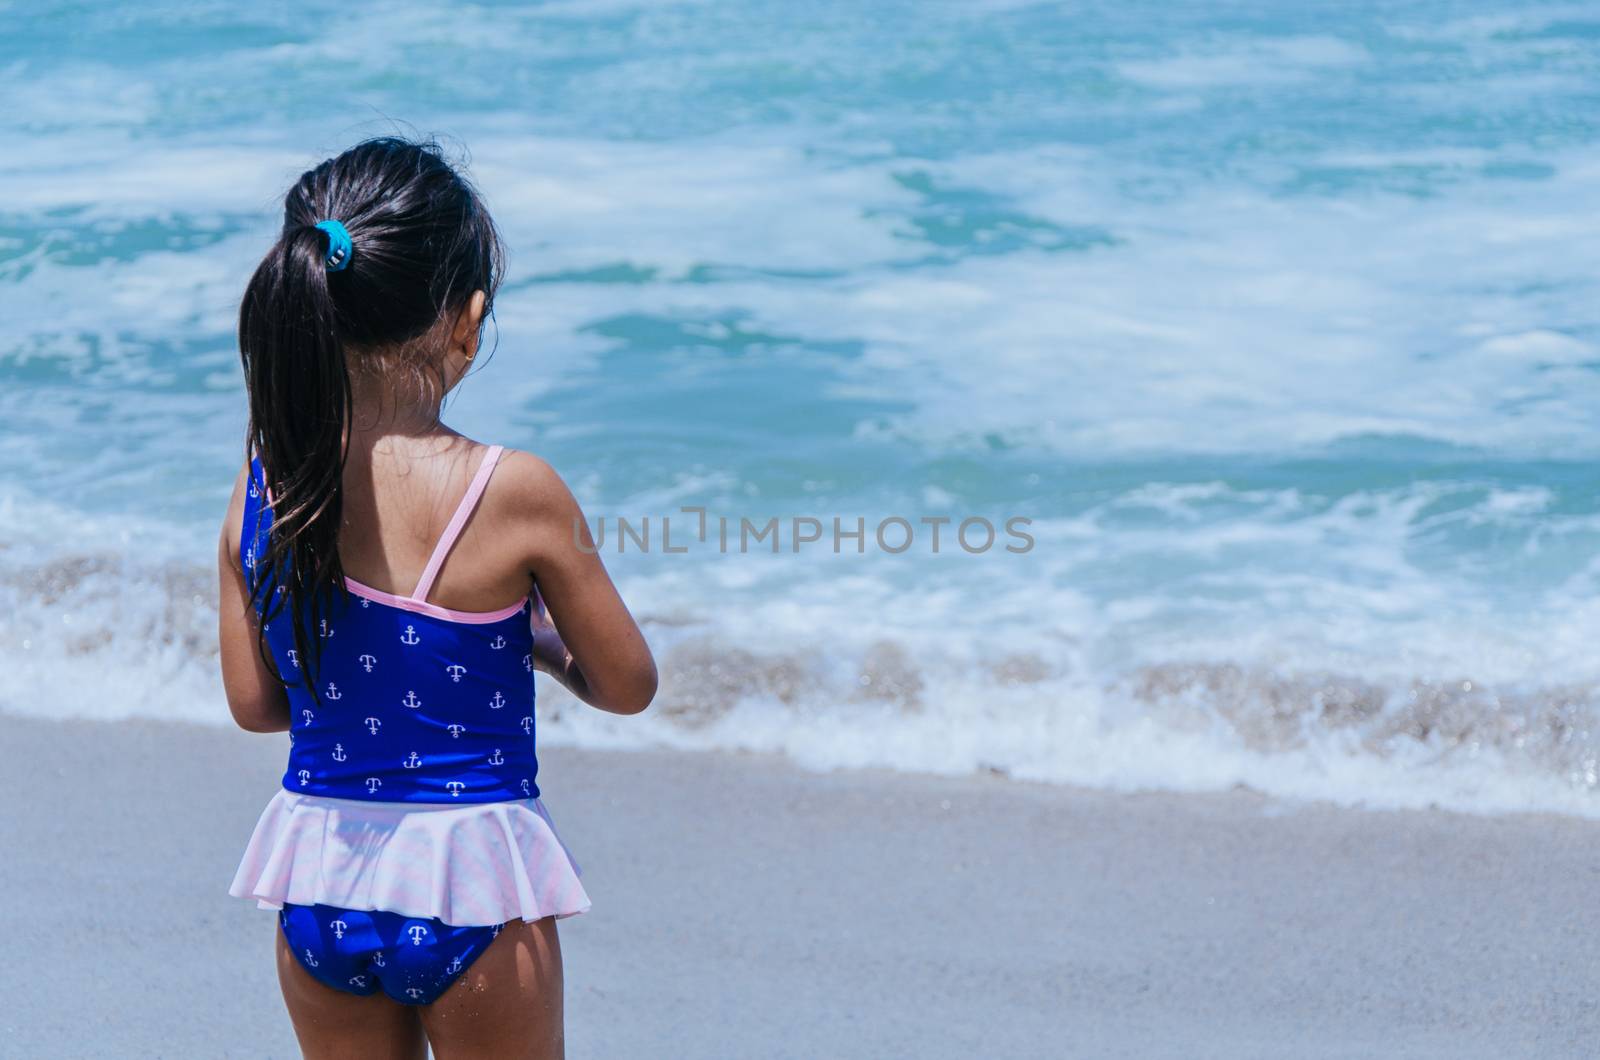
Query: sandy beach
[(745, 908)]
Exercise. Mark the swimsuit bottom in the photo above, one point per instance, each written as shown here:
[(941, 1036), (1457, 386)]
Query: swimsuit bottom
[(412, 959)]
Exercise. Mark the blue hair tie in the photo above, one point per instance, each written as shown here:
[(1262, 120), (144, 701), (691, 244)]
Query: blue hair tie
[(339, 246)]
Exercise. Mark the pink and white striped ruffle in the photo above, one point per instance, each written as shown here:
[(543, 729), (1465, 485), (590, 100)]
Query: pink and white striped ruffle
[(484, 863)]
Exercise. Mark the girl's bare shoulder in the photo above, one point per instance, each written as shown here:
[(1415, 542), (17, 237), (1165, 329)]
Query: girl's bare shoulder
[(530, 491), (527, 474)]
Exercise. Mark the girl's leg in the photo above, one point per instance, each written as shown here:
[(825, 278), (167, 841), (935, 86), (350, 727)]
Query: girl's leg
[(333, 1024), (507, 1004)]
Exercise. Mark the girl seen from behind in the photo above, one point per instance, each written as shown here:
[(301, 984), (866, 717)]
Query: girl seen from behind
[(388, 588)]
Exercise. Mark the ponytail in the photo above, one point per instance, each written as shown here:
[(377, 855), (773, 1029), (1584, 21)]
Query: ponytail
[(300, 408), (412, 242)]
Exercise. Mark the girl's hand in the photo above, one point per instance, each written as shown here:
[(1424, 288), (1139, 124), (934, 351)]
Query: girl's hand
[(550, 654)]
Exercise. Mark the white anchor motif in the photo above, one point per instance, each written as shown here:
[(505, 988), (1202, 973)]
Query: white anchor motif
[(250, 557), (527, 725), (377, 959), (412, 761), (367, 662), (373, 725), (333, 691), (326, 631), (498, 642), (306, 714), (365, 602), (410, 636), (411, 700), (454, 966), (525, 790), (305, 777), (413, 993), (498, 701), (359, 981), (455, 670), (527, 663), (338, 752), (373, 784), (255, 491), (455, 788), (456, 731), (339, 927), (310, 959), (417, 933), (294, 658), (497, 758), (495, 933)]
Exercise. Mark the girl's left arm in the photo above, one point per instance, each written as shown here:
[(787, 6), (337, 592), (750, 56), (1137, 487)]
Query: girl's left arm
[(255, 697)]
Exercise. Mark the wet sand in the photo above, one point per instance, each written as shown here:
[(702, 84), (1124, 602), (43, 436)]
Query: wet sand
[(746, 908)]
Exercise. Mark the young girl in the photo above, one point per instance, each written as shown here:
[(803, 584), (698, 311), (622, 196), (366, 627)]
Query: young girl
[(388, 587)]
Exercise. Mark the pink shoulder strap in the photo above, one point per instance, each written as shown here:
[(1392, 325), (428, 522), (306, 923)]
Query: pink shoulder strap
[(457, 521)]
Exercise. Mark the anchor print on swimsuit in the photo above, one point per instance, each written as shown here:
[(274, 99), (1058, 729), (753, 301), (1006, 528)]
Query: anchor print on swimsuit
[(413, 695), (411, 959)]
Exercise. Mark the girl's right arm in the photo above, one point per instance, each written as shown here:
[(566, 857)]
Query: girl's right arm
[(255, 696), (607, 663)]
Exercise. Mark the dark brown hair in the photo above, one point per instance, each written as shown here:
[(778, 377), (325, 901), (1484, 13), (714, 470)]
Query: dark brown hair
[(423, 243)]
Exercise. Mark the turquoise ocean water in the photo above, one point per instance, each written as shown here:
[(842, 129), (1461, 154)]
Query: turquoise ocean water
[(1280, 322)]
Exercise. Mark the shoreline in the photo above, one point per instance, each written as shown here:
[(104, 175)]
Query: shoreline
[(746, 907)]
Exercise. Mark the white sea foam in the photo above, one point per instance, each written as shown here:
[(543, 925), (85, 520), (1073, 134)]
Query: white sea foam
[(1389, 689), (1256, 61)]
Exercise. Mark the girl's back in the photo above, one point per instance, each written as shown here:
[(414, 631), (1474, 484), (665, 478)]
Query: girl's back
[(400, 499)]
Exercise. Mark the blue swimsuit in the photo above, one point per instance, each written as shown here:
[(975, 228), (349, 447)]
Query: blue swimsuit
[(413, 960), (418, 705)]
